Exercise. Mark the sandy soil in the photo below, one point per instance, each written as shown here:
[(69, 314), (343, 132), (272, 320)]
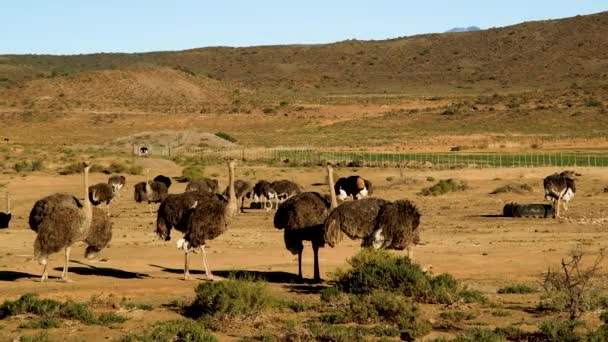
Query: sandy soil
[(460, 236)]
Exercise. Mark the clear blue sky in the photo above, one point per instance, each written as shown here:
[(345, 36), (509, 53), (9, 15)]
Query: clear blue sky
[(85, 26)]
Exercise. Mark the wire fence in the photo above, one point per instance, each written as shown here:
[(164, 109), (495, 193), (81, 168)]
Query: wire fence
[(312, 157)]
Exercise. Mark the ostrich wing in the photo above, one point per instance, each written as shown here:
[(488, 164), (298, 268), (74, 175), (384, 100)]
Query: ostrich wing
[(206, 222), (100, 234), (307, 209), (399, 222), (357, 219)]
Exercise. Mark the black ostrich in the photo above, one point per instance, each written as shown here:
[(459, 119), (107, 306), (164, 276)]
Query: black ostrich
[(559, 188), (302, 218), (100, 193), (163, 179), (379, 223), (284, 189), (117, 182), (5, 218), (209, 219), (150, 191), (263, 189), (353, 187)]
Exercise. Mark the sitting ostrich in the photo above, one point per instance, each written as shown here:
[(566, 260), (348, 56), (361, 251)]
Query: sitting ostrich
[(559, 188), (209, 185), (174, 212), (60, 220), (5, 218), (242, 189), (263, 189), (163, 179), (100, 193), (379, 223), (302, 217), (354, 187), (209, 219), (150, 191), (117, 182)]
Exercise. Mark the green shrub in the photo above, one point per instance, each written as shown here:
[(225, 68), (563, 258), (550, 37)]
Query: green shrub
[(41, 337), (135, 170), (501, 313), (193, 172), (593, 103), (43, 323), (177, 330), (560, 331), (475, 335), (226, 136), (512, 188), (430, 179), (443, 187), (135, 306), (108, 318), (229, 298), (330, 294), (24, 166), (379, 270), (457, 316), (517, 288)]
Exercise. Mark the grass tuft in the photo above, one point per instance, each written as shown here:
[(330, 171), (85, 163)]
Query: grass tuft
[(517, 288), (444, 186)]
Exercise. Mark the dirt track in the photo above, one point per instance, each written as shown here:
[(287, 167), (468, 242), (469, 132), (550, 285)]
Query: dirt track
[(459, 236)]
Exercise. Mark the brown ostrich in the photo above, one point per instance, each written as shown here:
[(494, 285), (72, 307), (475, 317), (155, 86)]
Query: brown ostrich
[(559, 188), (174, 212), (99, 235), (60, 220), (379, 223), (100, 193), (242, 188), (203, 185), (150, 191), (284, 189), (209, 219), (302, 217), (5, 218), (117, 182)]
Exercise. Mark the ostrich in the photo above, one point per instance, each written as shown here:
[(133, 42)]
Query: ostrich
[(264, 189), (209, 219), (284, 189), (353, 186), (117, 182), (209, 185), (163, 179), (379, 223), (5, 218), (101, 192), (99, 235), (150, 191), (559, 188), (174, 212), (242, 189), (60, 220), (302, 217)]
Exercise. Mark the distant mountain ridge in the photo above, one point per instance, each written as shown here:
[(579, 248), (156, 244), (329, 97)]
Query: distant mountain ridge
[(463, 29)]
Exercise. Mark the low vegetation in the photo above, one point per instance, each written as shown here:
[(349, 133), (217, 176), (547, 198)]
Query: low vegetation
[(176, 330), (29, 166), (517, 288), (114, 167), (512, 188), (444, 186), (226, 136)]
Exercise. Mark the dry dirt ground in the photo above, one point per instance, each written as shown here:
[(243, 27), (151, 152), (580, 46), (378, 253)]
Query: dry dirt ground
[(459, 236)]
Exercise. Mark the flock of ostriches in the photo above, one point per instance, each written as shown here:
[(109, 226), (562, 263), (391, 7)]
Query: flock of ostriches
[(201, 213)]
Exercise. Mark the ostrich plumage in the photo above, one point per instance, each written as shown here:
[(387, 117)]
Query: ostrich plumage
[(203, 185), (60, 220), (117, 182), (242, 189), (5, 218), (100, 193), (208, 220), (163, 179), (263, 188), (302, 218), (354, 187), (559, 189), (150, 191), (99, 235), (379, 223)]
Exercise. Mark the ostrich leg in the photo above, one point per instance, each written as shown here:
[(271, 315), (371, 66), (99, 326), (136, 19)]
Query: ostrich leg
[(300, 263), (45, 273), (317, 275), (410, 252), (64, 274), (205, 264), (187, 266)]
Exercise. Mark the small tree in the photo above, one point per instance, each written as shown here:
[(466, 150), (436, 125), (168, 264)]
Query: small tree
[(573, 283)]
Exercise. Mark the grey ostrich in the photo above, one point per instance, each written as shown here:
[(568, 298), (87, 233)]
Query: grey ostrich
[(60, 220), (209, 219), (174, 212), (100, 193), (209, 185), (242, 188), (379, 223), (284, 189), (117, 182), (302, 218), (5, 218), (559, 188), (150, 191)]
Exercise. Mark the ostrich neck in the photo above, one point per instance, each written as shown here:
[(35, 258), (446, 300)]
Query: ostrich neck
[(332, 192), (8, 203), (231, 206), (148, 187), (88, 208)]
